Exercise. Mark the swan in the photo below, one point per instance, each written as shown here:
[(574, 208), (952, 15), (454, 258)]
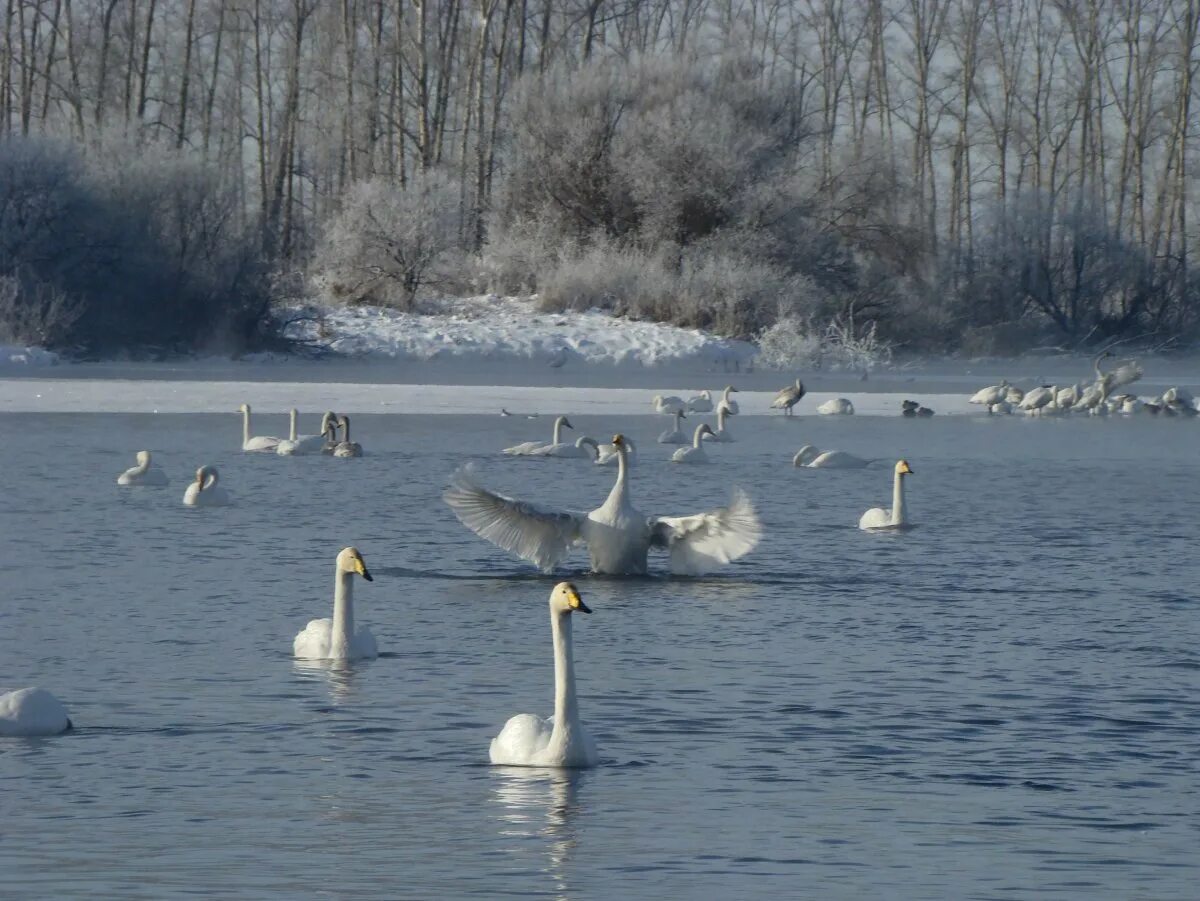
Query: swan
[(330, 435), (204, 491), (993, 394), (1068, 397), (838, 406), (32, 712), (700, 403), (721, 434), (808, 456), (668, 405), (880, 518), (805, 455), (1014, 395), (1036, 398), (695, 453), (584, 448), (143, 473), (788, 397), (727, 402), (337, 639), (525, 448), (561, 740), (617, 535), (346, 447), (674, 435), (1002, 408), (296, 445), (1128, 372), (608, 455), (259, 443)]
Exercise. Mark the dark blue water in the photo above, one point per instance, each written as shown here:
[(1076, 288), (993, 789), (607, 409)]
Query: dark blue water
[(1001, 703)]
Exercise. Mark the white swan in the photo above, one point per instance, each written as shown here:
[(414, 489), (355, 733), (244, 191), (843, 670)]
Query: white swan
[(674, 435), (346, 447), (805, 455), (617, 535), (1036, 398), (1065, 398), (700, 403), (1014, 395), (808, 456), (729, 403), (695, 453), (608, 455), (337, 639), (836, 406), (330, 435), (143, 473), (669, 404), (32, 712), (526, 448), (1000, 408), (561, 740), (298, 445), (881, 518), (1128, 372), (584, 448), (721, 434), (990, 395), (204, 491), (788, 398), (260, 443)]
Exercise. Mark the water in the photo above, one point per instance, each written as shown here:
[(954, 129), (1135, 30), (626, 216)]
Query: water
[(1000, 703)]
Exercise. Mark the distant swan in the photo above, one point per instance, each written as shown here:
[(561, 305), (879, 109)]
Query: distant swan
[(788, 398), (695, 453), (584, 448), (143, 473), (837, 406), (730, 404), (674, 435), (669, 404), (336, 639), (991, 395), (259, 443), (881, 518), (527, 448), (722, 434), (561, 740), (700, 403), (1124, 374), (617, 535), (609, 455), (204, 491), (297, 445), (32, 712), (811, 458), (346, 447)]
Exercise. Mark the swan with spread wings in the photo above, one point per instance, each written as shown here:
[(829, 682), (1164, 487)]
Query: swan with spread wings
[(617, 535)]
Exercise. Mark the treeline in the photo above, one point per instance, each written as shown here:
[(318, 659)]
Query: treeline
[(965, 174)]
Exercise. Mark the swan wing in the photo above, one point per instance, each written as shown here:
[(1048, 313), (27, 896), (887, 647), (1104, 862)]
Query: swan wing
[(1125, 374), (704, 541), (313, 642), (543, 537), (521, 739)]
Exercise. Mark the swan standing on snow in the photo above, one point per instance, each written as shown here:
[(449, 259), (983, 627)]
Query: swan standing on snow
[(561, 740), (336, 639), (881, 518), (526, 448), (1036, 398), (675, 434), (618, 536), (609, 455), (143, 473), (808, 456), (990, 395), (204, 491), (722, 434), (695, 453), (669, 405), (729, 403), (296, 445), (701, 403), (837, 406), (32, 712), (260, 443), (346, 447), (788, 398)]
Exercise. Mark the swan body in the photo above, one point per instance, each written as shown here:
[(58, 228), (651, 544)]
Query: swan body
[(837, 406), (346, 447), (700, 403), (204, 491), (1125, 374), (584, 448), (669, 405), (990, 395), (882, 518), (674, 435), (1001, 408), (831, 459), (144, 473), (1036, 398), (32, 712), (805, 455), (300, 445), (788, 397), (529, 448), (728, 402), (617, 535), (721, 434), (695, 453), (1067, 397), (560, 740), (337, 638), (608, 455), (258, 444)]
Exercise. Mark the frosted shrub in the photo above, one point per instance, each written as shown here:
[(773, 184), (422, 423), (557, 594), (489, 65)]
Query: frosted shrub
[(793, 344), (623, 282), (788, 344)]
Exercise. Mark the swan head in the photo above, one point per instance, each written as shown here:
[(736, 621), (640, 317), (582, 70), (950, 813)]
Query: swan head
[(805, 455), (618, 441), (564, 422), (143, 458), (730, 388), (351, 561), (706, 429), (326, 419), (903, 469), (244, 408), (206, 476), (565, 599)]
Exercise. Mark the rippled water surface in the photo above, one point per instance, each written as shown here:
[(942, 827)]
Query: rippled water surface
[(1000, 703)]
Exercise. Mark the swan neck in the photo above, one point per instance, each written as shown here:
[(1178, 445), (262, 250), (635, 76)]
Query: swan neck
[(142, 466), (292, 426), (698, 436), (245, 426), (898, 500), (343, 614), (566, 710), (721, 419), (346, 429), (616, 497)]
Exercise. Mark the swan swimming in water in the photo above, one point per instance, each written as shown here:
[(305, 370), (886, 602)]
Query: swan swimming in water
[(617, 535), (811, 458), (722, 434), (836, 406), (882, 518), (674, 435), (143, 473), (528, 448), (701, 403), (337, 639), (608, 455), (584, 448), (30, 713), (260, 443), (204, 491), (788, 398), (297, 445), (561, 740), (728, 402), (695, 453), (346, 447), (669, 405)]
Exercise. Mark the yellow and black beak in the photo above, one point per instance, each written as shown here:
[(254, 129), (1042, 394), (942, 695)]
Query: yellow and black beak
[(575, 601), (360, 567), (618, 440)]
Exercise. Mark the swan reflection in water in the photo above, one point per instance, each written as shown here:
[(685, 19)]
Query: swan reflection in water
[(339, 676), (540, 804)]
